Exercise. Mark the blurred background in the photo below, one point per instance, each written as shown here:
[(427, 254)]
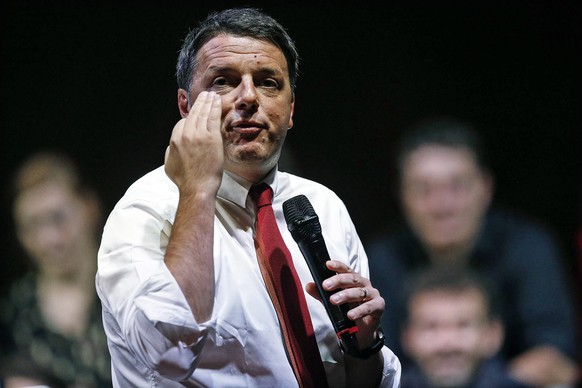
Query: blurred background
[(97, 81)]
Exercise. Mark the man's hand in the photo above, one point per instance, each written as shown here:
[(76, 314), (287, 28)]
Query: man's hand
[(544, 366), (367, 306), (194, 159)]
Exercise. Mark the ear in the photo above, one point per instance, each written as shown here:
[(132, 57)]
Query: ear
[(93, 206), (494, 338), (292, 110), (183, 103), (406, 340), (489, 184)]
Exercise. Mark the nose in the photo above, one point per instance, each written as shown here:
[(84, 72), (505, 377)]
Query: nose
[(49, 236), (247, 96), (447, 339), (442, 200)]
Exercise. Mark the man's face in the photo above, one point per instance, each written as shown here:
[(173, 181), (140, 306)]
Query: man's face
[(448, 334), (252, 78), (444, 196)]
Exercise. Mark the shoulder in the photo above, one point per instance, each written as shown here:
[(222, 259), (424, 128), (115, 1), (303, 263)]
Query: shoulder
[(397, 241), (150, 200), (154, 184), (154, 188), (321, 197), (518, 228), (517, 241)]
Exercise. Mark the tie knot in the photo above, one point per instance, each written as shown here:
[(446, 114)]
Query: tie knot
[(261, 194)]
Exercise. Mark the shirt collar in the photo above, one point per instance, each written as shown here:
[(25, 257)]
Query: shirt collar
[(236, 189)]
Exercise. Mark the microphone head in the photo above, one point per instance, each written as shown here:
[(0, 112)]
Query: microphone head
[(302, 221)]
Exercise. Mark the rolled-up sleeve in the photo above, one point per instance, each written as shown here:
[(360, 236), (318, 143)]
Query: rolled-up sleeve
[(392, 370), (140, 294)]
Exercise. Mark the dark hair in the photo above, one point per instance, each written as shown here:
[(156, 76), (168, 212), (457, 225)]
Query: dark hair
[(455, 279), (248, 22), (442, 131)]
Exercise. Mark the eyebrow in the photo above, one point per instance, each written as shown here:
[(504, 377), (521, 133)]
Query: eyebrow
[(267, 70)]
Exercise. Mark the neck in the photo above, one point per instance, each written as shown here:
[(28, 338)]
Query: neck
[(252, 171), (80, 275), (66, 299), (453, 254)]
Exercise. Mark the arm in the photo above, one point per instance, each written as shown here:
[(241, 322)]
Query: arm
[(194, 162), (546, 307)]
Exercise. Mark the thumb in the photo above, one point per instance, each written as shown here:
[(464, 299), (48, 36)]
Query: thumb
[(312, 290)]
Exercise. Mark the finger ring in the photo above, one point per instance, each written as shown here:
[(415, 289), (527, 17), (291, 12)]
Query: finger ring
[(364, 293)]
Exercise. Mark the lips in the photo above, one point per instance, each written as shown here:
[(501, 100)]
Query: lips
[(247, 129)]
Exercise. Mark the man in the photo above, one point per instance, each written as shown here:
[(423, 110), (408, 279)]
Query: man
[(186, 297), (452, 333), (445, 192)]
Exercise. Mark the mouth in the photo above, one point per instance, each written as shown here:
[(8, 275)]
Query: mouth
[(247, 129)]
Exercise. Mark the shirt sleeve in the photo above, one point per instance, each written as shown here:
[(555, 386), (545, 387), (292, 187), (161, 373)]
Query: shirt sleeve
[(138, 291), (392, 370)]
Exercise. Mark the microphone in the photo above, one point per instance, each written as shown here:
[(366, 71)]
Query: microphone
[(303, 223)]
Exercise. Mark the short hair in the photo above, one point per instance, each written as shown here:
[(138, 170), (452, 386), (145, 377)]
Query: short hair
[(454, 279), (441, 131), (246, 22)]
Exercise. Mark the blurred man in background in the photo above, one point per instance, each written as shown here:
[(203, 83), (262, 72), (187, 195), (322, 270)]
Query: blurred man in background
[(452, 332), (445, 191)]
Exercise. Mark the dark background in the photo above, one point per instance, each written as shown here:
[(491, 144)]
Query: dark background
[(97, 81)]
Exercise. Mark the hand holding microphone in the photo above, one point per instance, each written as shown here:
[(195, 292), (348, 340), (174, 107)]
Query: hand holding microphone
[(303, 223)]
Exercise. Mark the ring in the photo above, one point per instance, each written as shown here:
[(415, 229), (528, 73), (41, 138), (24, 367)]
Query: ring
[(364, 293)]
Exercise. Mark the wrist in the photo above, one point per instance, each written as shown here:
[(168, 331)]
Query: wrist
[(367, 352)]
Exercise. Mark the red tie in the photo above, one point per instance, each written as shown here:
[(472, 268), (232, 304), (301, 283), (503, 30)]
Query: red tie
[(286, 292)]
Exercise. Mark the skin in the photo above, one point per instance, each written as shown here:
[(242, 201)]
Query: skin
[(444, 197), (449, 334), (243, 107), (56, 227)]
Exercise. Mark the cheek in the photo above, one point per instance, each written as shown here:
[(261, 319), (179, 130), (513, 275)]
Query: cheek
[(421, 345), (414, 207)]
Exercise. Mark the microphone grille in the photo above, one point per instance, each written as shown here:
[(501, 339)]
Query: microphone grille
[(300, 216)]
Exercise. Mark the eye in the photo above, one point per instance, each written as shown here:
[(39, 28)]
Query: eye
[(269, 83), (219, 81)]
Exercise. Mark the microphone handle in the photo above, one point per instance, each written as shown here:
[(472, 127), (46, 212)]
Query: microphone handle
[(316, 255)]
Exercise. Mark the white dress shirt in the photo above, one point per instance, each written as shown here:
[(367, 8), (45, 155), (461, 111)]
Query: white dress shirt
[(146, 316)]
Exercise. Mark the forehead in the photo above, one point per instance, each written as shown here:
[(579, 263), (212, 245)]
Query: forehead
[(434, 160), (42, 198), (447, 303), (226, 50)]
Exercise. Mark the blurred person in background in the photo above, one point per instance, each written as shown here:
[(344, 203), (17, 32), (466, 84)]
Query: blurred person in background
[(445, 190), (52, 317), (452, 332)]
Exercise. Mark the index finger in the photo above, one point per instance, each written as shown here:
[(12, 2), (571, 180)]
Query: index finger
[(338, 266)]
